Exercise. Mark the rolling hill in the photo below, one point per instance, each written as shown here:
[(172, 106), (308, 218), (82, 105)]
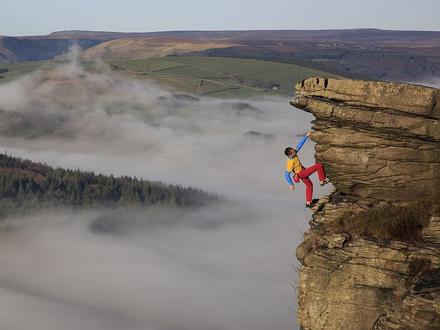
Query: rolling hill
[(360, 36), (196, 76), (14, 49), (358, 53), (220, 77), (141, 48)]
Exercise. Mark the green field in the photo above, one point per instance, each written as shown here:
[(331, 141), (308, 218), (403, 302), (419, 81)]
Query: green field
[(17, 69), (200, 76), (221, 77)]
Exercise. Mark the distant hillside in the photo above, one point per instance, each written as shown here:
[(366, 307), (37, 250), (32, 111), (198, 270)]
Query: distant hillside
[(369, 36), (142, 48), (220, 77), (27, 186), (356, 61), (357, 53), (193, 75), (35, 49)]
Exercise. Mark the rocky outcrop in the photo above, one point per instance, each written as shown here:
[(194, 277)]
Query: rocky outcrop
[(380, 144), (379, 140)]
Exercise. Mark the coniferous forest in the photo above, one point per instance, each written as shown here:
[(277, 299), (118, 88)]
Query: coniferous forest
[(27, 186)]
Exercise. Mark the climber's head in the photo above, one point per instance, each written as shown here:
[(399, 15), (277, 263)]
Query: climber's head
[(290, 152)]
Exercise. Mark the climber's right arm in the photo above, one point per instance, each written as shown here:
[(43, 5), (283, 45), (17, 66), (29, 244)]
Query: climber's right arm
[(301, 142), (289, 180)]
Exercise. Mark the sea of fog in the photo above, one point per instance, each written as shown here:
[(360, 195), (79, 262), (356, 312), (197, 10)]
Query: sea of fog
[(227, 266)]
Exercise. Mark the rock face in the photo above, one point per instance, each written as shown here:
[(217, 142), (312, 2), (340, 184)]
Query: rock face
[(379, 141), (380, 144)]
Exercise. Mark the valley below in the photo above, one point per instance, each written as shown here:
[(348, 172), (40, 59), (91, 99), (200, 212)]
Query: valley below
[(225, 264)]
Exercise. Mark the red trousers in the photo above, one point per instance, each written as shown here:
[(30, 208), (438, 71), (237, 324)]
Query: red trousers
[(304, 176)]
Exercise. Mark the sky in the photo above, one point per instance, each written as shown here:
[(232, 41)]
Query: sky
[(30, 17)]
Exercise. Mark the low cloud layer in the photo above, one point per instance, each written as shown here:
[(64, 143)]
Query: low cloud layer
[(227, 266)]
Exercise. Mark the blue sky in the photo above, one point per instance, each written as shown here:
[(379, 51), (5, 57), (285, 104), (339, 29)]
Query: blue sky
[(26, 17)]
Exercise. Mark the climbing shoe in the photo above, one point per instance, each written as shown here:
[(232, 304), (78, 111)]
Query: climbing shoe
[(323, 183), (312, 203)]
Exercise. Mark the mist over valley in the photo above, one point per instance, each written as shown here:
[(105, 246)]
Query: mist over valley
[(226, 265)]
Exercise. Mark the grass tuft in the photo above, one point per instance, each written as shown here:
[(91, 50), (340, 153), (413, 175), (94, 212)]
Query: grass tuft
[(390, 222)]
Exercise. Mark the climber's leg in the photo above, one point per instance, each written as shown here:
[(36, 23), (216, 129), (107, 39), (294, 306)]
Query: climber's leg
[(312, 169), (309, 189)]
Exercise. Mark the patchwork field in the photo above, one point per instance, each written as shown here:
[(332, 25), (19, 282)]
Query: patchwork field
[(220, 77), (9, 72), (198, 76)]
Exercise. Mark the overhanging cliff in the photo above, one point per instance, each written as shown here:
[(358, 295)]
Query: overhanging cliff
[(371, 259), (378, 140)]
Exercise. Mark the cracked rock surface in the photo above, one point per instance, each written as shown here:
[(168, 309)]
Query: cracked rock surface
[(380, 143)]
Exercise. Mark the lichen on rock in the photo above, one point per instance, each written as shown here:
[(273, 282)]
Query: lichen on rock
[(380, 144)]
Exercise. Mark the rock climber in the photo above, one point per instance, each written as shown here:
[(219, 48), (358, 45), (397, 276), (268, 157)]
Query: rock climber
[(301, 173)]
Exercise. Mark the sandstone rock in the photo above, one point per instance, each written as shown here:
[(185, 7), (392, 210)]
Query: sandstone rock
[(408, 98), (380, 143), (432, 232), (337, 240), (362, 283)]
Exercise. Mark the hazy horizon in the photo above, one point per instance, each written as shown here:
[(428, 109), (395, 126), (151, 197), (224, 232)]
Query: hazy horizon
[(222, 30), (27, 17)]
